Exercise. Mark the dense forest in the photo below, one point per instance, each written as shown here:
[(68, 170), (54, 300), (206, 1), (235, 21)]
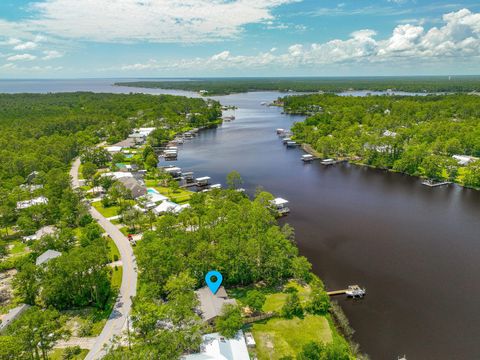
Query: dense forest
[(223, 86), (43, 133), (226, 231), (415, 135), (40, 135)]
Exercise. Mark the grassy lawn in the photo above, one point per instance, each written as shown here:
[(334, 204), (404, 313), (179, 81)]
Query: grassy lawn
[(107, 212), (180, 197), (18, 247), (278, 337), (57, 354), (275, 301), (117, 277), (113, 250)]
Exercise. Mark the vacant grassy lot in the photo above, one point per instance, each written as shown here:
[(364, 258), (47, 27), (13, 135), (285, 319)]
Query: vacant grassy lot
[(278, 337), (107, 212)]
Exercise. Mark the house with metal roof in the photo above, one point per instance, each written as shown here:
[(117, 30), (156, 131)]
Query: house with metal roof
[(211, 304), (218, 347), (47, 256)]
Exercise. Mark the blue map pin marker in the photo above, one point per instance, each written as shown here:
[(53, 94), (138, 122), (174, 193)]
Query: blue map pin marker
[(213, 285)]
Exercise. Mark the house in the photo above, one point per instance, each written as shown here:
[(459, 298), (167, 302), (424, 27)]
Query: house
[(12, 315), (117, 175), (211, 304), (46, 230), (96, 190), (169, 207), (47, 256), (154, 196), (216, 347), (128, 142), (464, 159), (137, 189), (114, 149), (41, 200), (389, 133)]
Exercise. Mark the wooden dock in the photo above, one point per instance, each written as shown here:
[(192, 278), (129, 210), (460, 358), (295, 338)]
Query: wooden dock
[(337, 292), (350, 291)]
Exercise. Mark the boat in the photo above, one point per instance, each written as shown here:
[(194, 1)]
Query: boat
[(307, 158), (280, 205), (328, 162), (280, 131), (203, 181), (355, 291), (292, 144)]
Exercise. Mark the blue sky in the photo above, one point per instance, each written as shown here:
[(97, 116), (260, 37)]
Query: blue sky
[(171, 38)]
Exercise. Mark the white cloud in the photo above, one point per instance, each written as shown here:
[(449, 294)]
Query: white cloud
[(458, 38), (51, 54), (28, 45), (147, 20), (21, 57)]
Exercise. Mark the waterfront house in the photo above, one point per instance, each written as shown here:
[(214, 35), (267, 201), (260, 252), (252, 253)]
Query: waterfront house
[(167, 207), (47, 256), (217, 347), (117, 175), (211, 304), (137, 189)]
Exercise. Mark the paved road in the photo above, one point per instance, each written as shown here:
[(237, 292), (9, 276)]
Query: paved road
[(117, 322)]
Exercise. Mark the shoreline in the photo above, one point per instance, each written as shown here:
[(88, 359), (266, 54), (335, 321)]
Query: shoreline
[(310, 150)]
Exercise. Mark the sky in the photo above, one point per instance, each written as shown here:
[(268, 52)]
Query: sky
[(207, 38)]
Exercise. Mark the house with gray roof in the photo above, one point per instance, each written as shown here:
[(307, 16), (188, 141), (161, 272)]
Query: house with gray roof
[(47, 256), (132, 184), (211, 304)]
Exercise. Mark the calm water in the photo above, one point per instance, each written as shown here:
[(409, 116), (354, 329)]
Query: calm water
[(414, 248)]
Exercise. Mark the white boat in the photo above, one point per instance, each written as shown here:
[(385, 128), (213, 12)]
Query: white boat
[(291, 144), (203, 181), (328, 162), (307, 157), (355, 291), (280, 205)]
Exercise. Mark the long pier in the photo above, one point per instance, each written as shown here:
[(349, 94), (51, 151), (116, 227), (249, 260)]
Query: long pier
[(337, 292), (351, 291)]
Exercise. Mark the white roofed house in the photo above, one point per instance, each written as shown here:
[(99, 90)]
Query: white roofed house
[(464, 159), (113, 149), (216, 347), (169, 207), (41, 200)]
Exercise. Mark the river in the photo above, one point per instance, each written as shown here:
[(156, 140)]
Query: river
[(416, 249)]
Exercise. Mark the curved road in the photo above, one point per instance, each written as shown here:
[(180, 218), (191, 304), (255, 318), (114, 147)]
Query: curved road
[(117, 322)]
